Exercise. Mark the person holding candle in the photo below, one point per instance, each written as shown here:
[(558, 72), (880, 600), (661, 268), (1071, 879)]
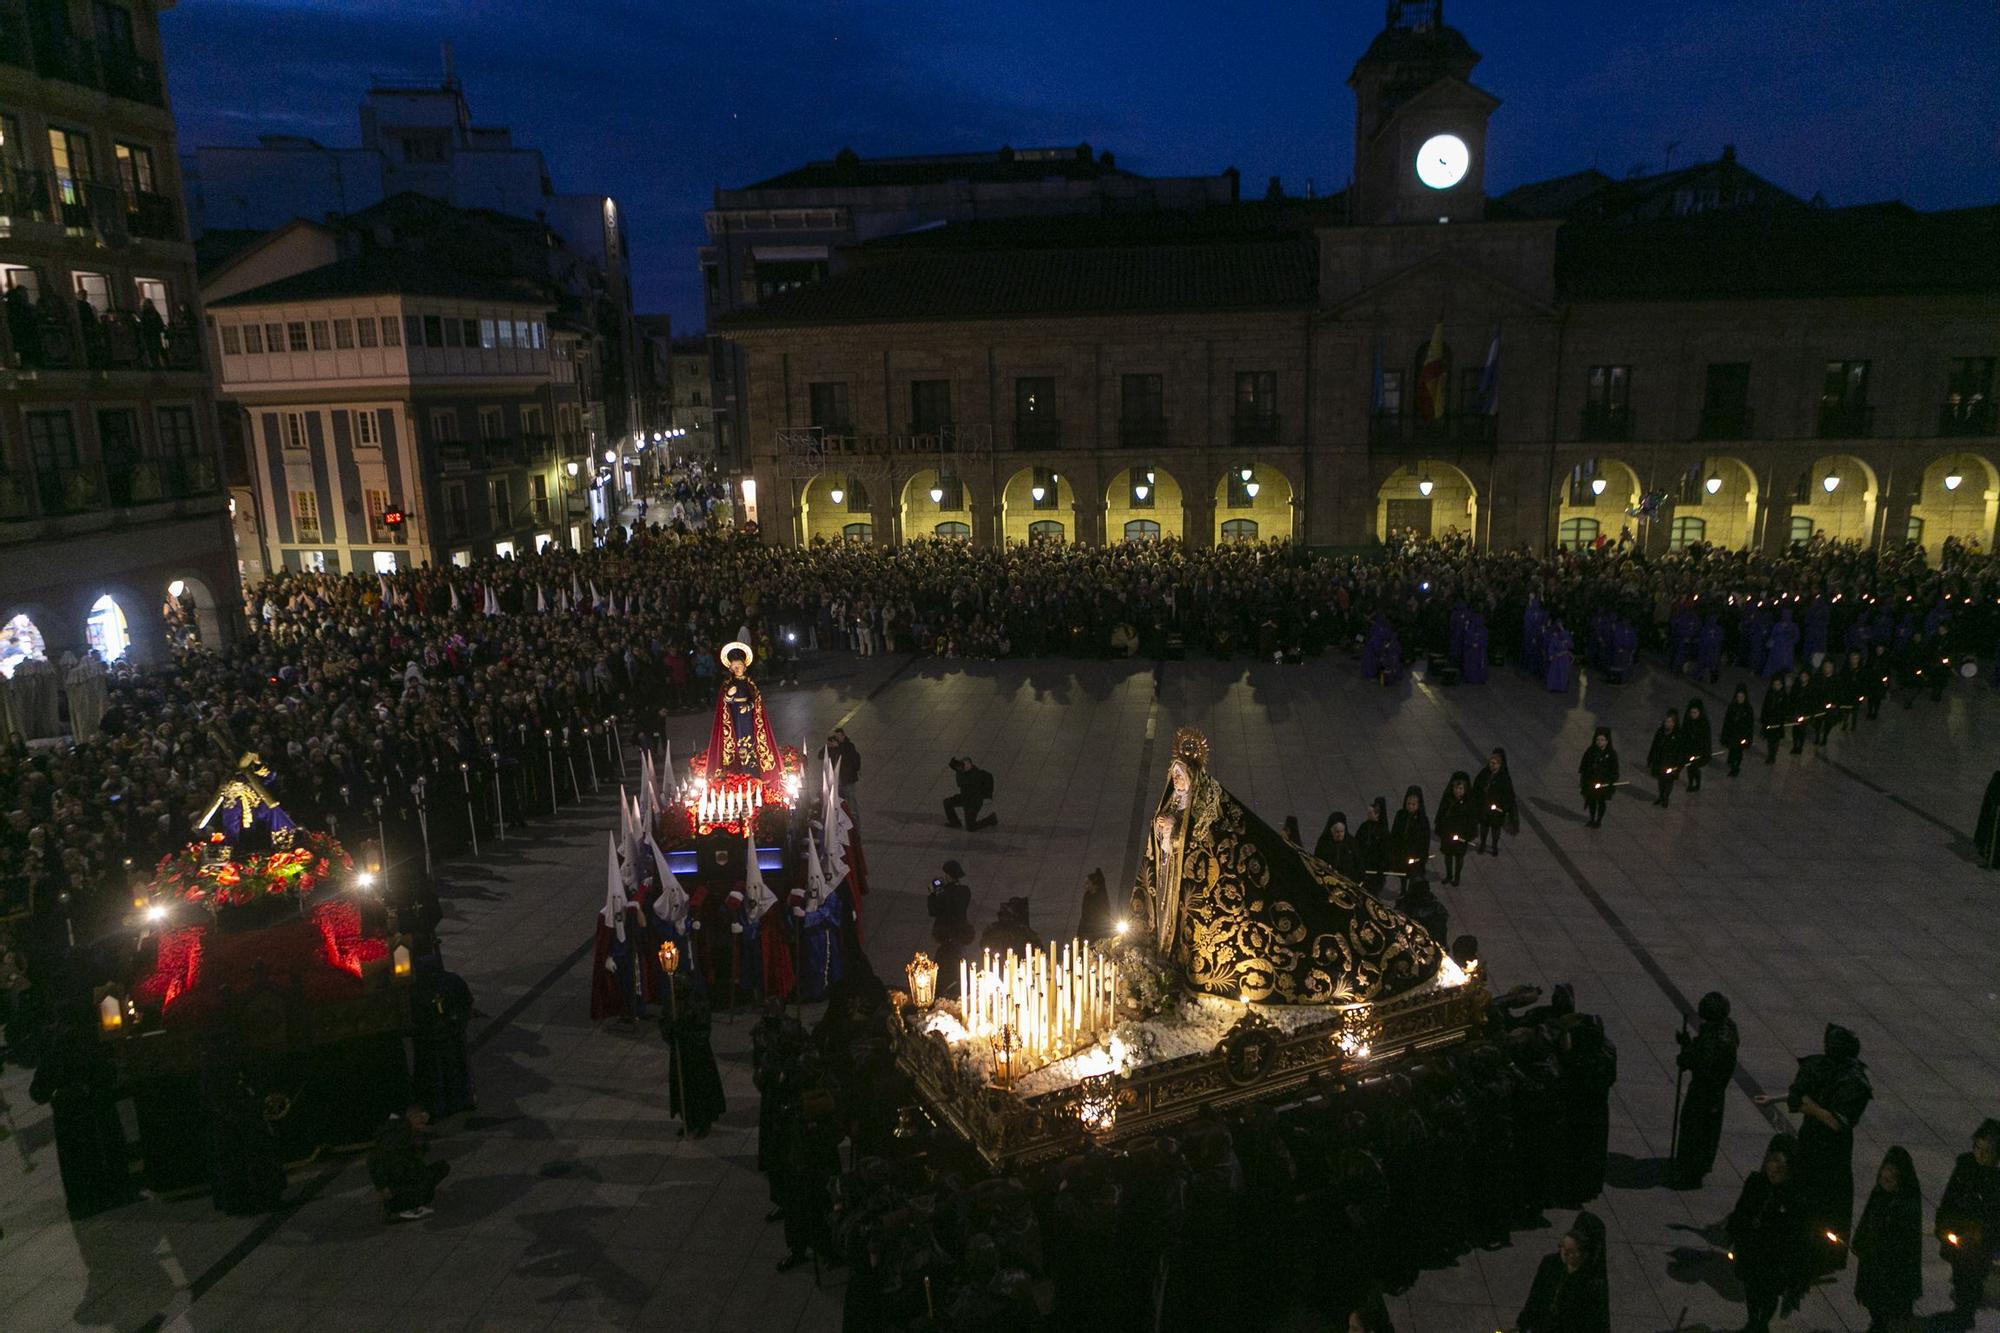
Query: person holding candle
[(1597, 775), (1666, 756), (1767, 1238), (1968, 1225), (1494, 801), (1889, 1245), (1456, 819)]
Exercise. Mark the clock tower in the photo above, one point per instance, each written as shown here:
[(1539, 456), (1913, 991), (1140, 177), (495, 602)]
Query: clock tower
[(1419, 122)]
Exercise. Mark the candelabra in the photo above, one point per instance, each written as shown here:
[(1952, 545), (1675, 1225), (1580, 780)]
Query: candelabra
[(1046, 1003)]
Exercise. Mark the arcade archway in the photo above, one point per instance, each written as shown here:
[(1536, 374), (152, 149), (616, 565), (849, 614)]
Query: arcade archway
[(1717, 504), (190, 612), (1037, 506), (1957, 498), (107, 629), (936, 504), (1835, 499), (20, 641), (1591, 499), (1253, 503), (834, 507), (1143, 503), (1429, 497)]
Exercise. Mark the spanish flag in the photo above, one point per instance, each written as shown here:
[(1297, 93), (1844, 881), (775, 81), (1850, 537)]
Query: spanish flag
[(1430, 378)]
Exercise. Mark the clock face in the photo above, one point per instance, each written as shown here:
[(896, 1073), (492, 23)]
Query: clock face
[(1442, 161)]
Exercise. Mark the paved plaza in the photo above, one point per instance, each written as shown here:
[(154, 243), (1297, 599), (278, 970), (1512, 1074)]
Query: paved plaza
[(1837, 885)]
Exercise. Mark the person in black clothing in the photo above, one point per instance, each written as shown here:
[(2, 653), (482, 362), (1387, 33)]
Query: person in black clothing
[(1986, 828), (1876, 677), (1493, 799), (1773, 715), (847, 767), (1666, 756), (1709, 1057), (1410, 839), (777, 1042), (950, 909), (1291, 833), (1337, 848), (975, 788), (245, 1173), (1455, 823), (694, 1084), (1739, 728), (1571, 1293), (440, 1013), (1370, 1316), (404, 1181), (1371, 843), (1804, 698), (76, 1081), (1853, 689), (1830, 1091), (1767, 1238), (1093, 921), (1889, 1245), (1967, 1224), (1422, 906), (1597, 776), (1829, 692), (1695, 736)]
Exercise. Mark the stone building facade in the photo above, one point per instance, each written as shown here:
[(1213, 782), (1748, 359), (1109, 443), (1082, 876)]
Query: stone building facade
[(1701, 359), (111, 498)]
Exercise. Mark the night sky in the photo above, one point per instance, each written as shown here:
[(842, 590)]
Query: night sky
[(658, 101)]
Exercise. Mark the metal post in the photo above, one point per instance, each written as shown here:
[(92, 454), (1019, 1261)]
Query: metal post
[(591, 754), (569, 761), (382, 840), (618, 742), (471, 821), (674, 1047), (499, 804), (423, 823), (549, 746)]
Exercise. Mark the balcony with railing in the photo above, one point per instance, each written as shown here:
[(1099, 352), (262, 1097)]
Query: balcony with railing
[(129, 76), (60, 491), (24, 197), (1401, 432), (1726, 423), (58, 335), (481, 455), (1968, 417), (152, 217), (91, 208), (1845, 421), (1142, 432), (541, 448), (1605, 423), (1038, 432), (1254, 430), (60, 55)]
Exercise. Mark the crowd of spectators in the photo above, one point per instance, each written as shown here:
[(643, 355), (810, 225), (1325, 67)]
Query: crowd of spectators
[(353, 688)]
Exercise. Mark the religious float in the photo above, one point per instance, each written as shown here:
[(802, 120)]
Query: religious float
[(1245, 972), (264, 957), (743, 789)]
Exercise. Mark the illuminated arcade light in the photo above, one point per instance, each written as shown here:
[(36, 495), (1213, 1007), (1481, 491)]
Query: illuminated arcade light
[(1831, 484), (1597, 485), (1713, 484), (1952, 481), (1425, 487), (1039, 492), (937, 495), (1244, 473), (838, 494), (1250, 488)]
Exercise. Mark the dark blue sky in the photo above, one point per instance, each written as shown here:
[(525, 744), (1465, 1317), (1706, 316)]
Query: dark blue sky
[(657, 101)]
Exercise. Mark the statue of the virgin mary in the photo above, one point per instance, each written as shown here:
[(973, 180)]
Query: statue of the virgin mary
[(1244, 914), (740, 740)]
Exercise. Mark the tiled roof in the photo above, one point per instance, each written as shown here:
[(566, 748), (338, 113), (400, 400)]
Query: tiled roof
[(999, 284), (1880, 249), (849, 170), (383, 274)]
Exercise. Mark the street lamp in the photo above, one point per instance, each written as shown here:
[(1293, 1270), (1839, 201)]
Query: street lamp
[(1597, 485), (1831, 484), (1425, 486), (1953, 480), (1713, 484), (1038, 491), (837, 493), (573, 467), (1244, 473), (1250, 488), (937, 495)]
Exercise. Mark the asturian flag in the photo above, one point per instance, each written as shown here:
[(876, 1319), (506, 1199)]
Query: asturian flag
[(1430, 378), (454, 599), (1489, 378)]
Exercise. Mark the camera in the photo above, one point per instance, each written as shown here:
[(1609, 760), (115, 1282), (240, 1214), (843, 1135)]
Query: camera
[(937, 884)]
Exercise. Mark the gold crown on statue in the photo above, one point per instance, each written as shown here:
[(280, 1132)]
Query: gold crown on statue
[(1190, 745)]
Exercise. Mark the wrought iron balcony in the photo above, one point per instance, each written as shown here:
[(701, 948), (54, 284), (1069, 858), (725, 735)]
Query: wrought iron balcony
[(1727, 423), (1254, 431), (24, 196), (1968, 417), (1605, 422), (152, 217), (134, 79), (1038, 432), (1142, 432), (60, 491), (1845, 421), (1399, 432)]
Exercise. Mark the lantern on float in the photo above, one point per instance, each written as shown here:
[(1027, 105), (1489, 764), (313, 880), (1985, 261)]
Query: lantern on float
[(922, 973)]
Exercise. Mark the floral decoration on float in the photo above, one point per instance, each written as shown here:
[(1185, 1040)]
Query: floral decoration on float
[(731, 802), (210, 875)]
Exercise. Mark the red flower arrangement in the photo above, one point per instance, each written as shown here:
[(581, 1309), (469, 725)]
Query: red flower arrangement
[(189, 875)]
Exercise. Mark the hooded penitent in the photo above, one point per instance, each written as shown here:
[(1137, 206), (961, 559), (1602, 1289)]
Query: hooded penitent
[(1246, 915)]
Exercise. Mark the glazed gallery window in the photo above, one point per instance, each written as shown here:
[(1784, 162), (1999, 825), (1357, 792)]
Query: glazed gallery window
[(392, 331), (502, 509), (962, 531), (858, 532), (1240, 530), (367, 430), (343, 334), (295, 336), (69, 154), (94, 288), (305, 515), (295, 431), (322, 336), (492, 423), (364, 330), (1256, 395), (135, 169), (1577, 533), (1687, 530), (232, 341), (826, 401), (1143, 530), (274, 338), (253, 339)]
